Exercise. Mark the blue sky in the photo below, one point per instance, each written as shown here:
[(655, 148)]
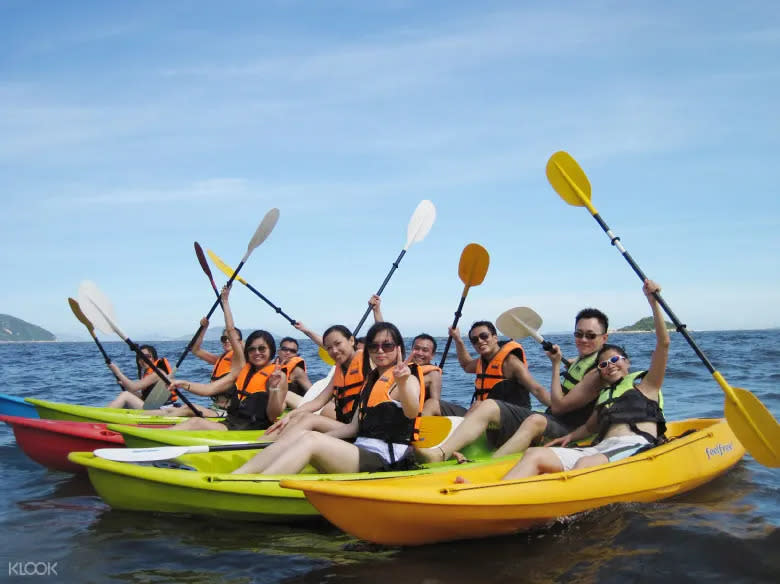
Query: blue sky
[(131, 130)]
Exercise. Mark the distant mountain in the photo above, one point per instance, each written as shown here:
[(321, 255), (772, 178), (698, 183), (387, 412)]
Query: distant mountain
[(15, 329), (212, 334), (644, 325)]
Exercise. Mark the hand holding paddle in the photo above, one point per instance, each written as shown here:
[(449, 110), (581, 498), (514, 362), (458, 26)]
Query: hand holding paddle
[(79, 314), (751, 421), (472, 269), (419, 226), (520, 322)]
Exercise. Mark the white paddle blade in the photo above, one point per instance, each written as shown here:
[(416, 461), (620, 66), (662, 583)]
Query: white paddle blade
[(420, 223), (263, 230), (90, 297), (520, 322), (147, 454)]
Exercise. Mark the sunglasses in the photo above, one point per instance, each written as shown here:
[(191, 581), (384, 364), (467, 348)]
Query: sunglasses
[(613, 359), (480, 337), (288, 349), (223, 339), (258, 349), (589, 336), (387, 346)]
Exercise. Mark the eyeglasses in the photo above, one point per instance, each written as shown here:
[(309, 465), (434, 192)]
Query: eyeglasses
[(613, 359), (288, 349), (223, 339), (387, 346), (483, 336), (257, 349), (590, 336)]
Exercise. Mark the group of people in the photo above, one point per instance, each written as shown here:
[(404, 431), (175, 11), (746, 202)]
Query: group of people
[(369, 411)]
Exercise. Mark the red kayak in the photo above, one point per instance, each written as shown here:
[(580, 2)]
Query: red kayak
[(48, 442)]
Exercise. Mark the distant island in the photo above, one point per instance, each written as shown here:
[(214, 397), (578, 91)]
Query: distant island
[(14, 329), (644, 325)]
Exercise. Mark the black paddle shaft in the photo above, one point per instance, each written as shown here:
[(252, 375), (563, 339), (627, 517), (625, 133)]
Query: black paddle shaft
[(681, 328), (449, 337), (278, 310), (162, 376), (381, 289)]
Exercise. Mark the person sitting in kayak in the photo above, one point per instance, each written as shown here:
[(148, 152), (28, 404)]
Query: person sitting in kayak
[(294, 366), (256, 381), (573, 393), (383, 427), (628, 415), (339, 398), (501, 390), (135, 391)]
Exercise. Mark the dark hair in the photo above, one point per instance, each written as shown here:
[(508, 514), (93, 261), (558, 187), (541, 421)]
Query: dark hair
[(140, 363), (338, 328), (289, 340), (608, 347), (486, 323), (377, 328), (264, 335), (238, 330), (424, 337), (593, 313)]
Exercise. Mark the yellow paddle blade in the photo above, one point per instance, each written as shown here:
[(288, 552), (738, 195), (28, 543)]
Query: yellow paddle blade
[(433, 430), (473, 266), (568, 179), (325, 356), (754, 426), (77, 312), (223, 267)]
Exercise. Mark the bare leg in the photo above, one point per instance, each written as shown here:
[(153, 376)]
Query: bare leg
[(592, 460), (305, 422), (182, 412), (260, 461), (531, 428), (125, 399), (431, 407), (474, 423), (329, 410), (326, 453), (536, 461), (199, 424)]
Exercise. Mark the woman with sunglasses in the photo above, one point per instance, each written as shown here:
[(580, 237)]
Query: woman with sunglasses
[(135, 391), (383, 427), (257, 385), (628, 415), (339, 397)]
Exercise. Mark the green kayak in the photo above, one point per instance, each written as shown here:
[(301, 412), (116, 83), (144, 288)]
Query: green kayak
[(202, 485), (59, 411), (137, 437)]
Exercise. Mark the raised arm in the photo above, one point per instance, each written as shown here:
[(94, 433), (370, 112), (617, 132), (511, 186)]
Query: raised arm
[(316, 339), (652, 382), (581, 394), (196, 346), (376, 307), (467, 363)]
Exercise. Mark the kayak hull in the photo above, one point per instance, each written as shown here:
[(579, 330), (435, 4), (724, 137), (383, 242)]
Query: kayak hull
[(16, 406), (139, 437), (429, 509), (76, 413), (48, 442)]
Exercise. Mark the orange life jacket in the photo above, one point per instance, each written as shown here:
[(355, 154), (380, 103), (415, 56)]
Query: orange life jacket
[(222, 366), (289, 369), (380, 417), (347, 386), (250, 396), (165, 367), (490, 376)]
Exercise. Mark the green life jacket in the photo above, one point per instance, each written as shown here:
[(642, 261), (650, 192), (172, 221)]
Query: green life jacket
[(623, 403), (569, 378)]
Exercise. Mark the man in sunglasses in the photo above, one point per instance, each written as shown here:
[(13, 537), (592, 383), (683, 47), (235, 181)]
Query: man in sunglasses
[(297, 379), (502, 390)]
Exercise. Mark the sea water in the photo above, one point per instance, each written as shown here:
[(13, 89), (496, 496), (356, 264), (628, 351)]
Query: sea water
[(54, 528)]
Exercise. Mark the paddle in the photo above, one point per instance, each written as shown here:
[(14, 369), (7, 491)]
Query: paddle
[(101, 313), (228, 271), (472, 269), (79, 314), (517, 323), (433, 430), (159, 394), (419, 226), (750, 420), (325, 356), (261, 233)]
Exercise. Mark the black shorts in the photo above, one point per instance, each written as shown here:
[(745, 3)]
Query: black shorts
[(511, 418), (369, 461), (451, 409), (242, 423)]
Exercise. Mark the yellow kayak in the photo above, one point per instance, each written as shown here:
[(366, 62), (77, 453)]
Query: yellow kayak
[(433, 508)]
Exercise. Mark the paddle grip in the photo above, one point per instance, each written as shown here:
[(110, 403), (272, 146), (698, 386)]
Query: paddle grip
[(379, 292), (162, 375), (547, 345), (449, 337)]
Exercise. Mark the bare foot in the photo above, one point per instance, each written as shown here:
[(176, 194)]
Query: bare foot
[(433, 454), (460, 481)]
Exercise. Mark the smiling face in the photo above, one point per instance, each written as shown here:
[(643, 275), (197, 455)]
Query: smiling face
[(259, 353), (589, 336), (422, 351), (383, 349), (287, 350), (612, 365), (339, 347), (484, 341)]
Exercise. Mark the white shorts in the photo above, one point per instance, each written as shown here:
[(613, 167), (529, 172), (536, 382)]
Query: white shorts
[(615, 448)]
